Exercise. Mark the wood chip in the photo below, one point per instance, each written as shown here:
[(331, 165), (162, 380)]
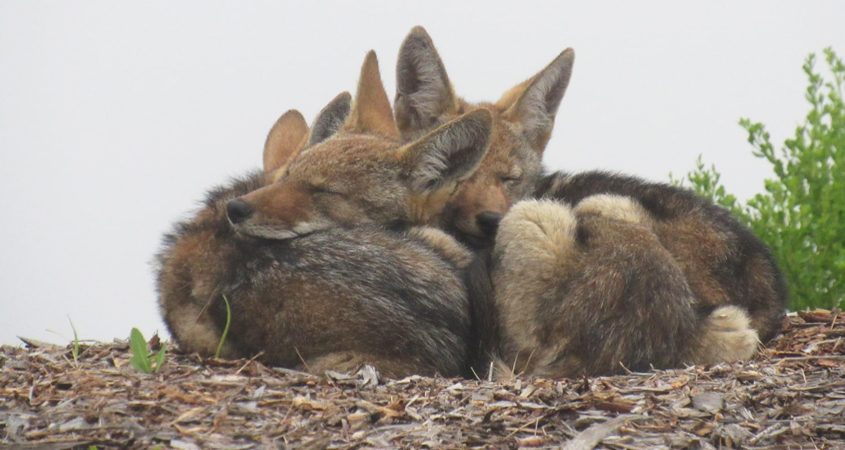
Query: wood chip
[(791, 395), (589, 438)]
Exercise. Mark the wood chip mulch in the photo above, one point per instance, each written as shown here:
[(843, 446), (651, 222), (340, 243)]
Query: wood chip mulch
[(791, 396)]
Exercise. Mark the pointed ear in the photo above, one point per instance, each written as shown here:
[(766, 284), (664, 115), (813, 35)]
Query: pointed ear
[(513, 94), (535, 107), (284, 140), (447, 155), (423, 90), (371, 111), (330, 118)]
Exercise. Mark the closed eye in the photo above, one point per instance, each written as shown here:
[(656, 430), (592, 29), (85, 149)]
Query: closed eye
[(325, 190), (510, 179)]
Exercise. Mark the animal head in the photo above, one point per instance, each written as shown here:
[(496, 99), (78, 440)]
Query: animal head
[(352, 168), (523, 119)]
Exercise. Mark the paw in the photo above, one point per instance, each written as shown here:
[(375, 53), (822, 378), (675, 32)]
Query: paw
[(729, 318), (727, 336), (444, 244), (615, 207), (542, 223), (195, 331)]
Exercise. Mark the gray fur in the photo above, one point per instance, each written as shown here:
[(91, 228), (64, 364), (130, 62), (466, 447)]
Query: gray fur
[(591, 291), (331, 118), (450, 153), (538, 105), (724, 262), (579, 294), (343, 296), (423, 91)]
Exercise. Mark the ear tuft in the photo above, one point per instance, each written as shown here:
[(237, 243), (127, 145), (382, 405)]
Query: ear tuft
[(284, 140), (536, 106), (371, 112), (449, 154), (330, 118), (423, 91)]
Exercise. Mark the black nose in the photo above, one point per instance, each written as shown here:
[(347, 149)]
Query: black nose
[(238, 210), (488, 222)]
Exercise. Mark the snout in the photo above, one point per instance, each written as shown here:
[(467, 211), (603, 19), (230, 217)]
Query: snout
[(238, 210), (488, 222)]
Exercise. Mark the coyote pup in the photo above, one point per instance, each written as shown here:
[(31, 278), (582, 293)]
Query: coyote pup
[(724, 262), (363, 174), (522, 125), (590, 291), (331, 299)]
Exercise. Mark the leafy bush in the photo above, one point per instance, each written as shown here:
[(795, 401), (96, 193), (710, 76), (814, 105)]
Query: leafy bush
[(801, 214)]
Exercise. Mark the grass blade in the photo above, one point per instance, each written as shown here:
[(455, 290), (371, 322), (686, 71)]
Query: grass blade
[(225, 328), (74, 348), (159, 358)]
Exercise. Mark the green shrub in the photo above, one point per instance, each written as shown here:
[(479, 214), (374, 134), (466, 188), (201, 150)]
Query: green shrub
[(801, 213)]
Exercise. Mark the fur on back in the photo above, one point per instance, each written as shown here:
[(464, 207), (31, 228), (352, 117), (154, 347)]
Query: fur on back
[(362, 295), (724, 262)]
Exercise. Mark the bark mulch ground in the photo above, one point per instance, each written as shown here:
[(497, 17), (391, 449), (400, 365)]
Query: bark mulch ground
[(791, 396)]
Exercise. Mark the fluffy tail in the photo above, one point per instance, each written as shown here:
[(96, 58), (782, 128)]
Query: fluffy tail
[(725, 336)]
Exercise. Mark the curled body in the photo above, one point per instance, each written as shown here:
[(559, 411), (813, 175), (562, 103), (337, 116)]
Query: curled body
[(305, 254), (333, 299), (589, 290), (723, 261)]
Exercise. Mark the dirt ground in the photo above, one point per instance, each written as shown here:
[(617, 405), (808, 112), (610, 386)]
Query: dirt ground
[(792, 395)]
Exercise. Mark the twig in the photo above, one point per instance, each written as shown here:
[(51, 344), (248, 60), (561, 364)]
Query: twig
[(304, 364), (474, 374), (811, 358), (249, 361), (524, 427)]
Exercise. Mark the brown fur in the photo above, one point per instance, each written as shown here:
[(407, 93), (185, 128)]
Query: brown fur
[(724, 263), (334, 299), (522, 123), (284, 140), (189, 321), (363, 174), (372, 113), (590, 291)]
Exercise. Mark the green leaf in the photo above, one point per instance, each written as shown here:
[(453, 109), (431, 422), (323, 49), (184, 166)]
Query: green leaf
[(138, 345), (159, 358)]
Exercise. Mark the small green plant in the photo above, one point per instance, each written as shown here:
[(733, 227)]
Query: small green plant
[(142, 360), (225, 328), (801, 213), (74, 345)]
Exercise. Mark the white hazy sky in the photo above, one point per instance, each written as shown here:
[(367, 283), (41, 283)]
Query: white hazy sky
[(115, 117)]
